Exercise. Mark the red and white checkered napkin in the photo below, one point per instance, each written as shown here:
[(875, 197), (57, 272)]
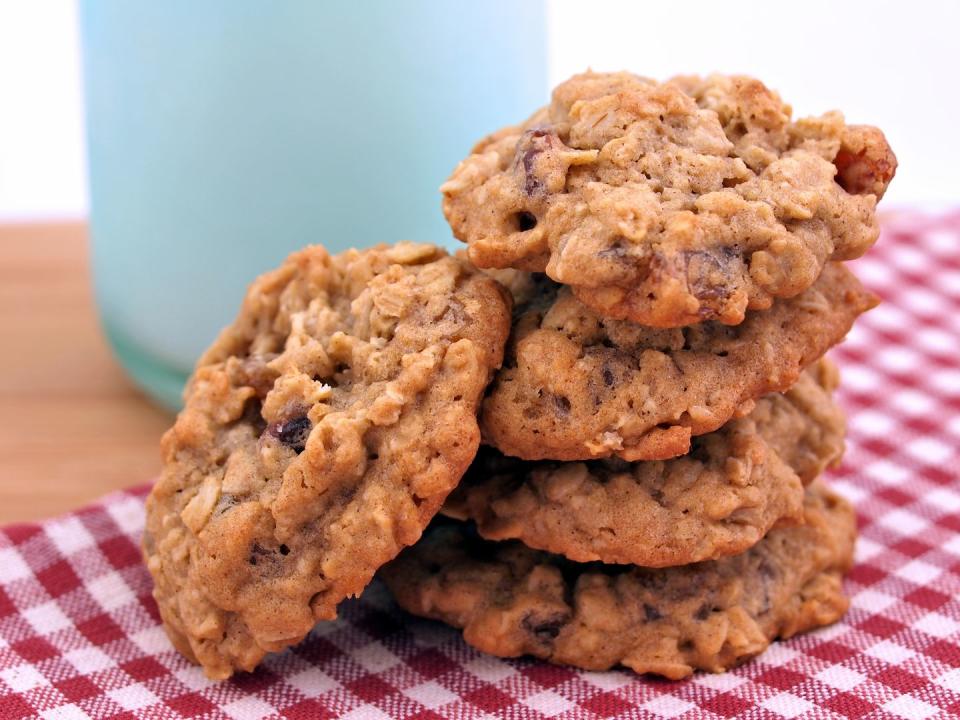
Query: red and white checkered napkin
[(80, 636)]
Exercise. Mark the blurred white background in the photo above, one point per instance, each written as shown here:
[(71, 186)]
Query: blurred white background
[(42, 171), (891, 64)]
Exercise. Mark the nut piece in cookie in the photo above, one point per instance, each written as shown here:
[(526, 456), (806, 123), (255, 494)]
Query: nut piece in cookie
[(719, 499), (321, 432), (511, 600), (671, 203), (577, 386)]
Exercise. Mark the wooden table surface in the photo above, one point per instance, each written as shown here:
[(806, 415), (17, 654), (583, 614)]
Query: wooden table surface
[(72, 426)]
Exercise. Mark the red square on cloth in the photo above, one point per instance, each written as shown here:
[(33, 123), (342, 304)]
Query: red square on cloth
[(80, 637)]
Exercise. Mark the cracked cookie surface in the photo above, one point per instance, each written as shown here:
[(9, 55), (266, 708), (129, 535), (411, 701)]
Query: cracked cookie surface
[(671, 203), (510, 600), (719, 499), (576, 386), (320, 434)]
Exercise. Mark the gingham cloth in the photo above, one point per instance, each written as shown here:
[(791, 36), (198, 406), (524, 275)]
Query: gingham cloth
[(80, 635)]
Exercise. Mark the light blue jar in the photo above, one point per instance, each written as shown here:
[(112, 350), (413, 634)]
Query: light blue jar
[(223, 134)]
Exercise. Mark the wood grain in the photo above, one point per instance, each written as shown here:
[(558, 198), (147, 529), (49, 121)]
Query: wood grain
[(72, 426)]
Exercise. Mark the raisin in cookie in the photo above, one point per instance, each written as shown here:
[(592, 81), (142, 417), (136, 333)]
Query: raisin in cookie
[(671, 203), (511, 600), (717, 500), (576, 386), (321, 432)]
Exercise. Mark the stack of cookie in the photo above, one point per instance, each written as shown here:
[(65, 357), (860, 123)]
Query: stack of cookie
[(648, 491), (655, 411)]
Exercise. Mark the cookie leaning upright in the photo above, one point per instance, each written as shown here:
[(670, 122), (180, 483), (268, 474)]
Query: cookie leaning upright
[(321, 433), (671, 203)]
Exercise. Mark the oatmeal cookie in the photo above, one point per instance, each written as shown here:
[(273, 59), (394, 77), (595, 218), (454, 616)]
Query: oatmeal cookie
[(511, 600), (576, 386), (321, 432), (719, 499), (671, 203)]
